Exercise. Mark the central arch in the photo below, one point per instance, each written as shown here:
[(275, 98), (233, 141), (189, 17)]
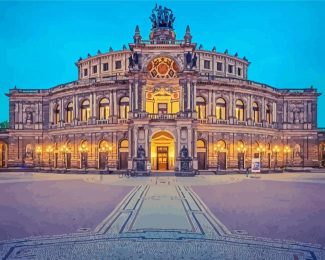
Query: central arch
[(162, 151)]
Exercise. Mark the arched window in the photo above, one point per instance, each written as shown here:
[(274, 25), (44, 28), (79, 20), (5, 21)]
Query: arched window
[(124, 144), (85, 110), (56, 118), (221, 109), (124, 108), (200, 108), (268, 114), (103, 109), (69, 112), (256, 112), (240, 110), (221, 146), (200, 144)]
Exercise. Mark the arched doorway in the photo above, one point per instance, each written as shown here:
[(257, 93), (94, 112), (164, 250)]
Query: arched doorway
[(162, 151), (3, 155), (123, 154), (201, 154), (103, 150)]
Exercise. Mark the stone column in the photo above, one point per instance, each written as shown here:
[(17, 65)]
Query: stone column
[(115, 101), (188, 89), (189, 142), (194, 96), (146, 139), (136, 93), (62, 112), (94, 112), (195, 161), (135, 135), (181, 96), (111, 103), (213, 104), (130, 96), (51, 112)]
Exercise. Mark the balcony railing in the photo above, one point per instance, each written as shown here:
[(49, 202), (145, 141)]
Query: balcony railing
[(162, 116), (222, 121)]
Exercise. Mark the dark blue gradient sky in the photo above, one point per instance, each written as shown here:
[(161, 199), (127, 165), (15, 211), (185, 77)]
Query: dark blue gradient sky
[(40, 41)]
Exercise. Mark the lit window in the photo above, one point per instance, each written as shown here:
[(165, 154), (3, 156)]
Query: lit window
[(85, 110), (124, 107), (57, 115), (221, 109), (268, 114), (200, 108), (256, 113), (69, 112), (104, 109), (240, 110)]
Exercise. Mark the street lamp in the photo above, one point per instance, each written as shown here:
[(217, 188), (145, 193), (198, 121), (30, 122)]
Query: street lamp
[(83, 150), (261, 150), (276, 150), (50, 150), (241, 149), (39, 152), (286, 151), (64, 149)]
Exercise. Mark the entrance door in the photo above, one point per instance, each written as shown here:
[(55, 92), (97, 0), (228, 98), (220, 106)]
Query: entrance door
[(201, 160), (241, 163), (162, 158), (68, 160), (124, 160), (222, 160), (102, 160)]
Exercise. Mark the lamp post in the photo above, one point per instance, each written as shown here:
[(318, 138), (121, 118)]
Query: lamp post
[(50, 150), (276, 150), (261, 151), (83, 150), (64, 150), (241, 149), (39, 152), (286, 151)]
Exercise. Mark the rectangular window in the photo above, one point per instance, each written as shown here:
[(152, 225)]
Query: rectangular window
[(207, 64), (105, 67), (118, 64), (85, 72), (239, 71), (219, 66), (94, 69), (230, 68), (162, 108)]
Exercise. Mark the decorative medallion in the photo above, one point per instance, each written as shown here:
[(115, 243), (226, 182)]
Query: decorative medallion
[(163, 68)]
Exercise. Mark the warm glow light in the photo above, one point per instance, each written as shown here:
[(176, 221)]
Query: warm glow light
[(276, 149), (38, 149), (49, 149)]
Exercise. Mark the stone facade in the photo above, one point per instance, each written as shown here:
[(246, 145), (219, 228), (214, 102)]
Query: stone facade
[(167, 89)]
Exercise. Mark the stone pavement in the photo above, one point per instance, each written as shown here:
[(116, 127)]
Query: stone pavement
[(161, 218)]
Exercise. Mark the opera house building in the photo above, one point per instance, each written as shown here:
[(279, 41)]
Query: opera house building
[(162, 94)]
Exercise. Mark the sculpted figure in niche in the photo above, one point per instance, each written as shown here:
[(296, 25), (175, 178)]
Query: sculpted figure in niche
[(141, 152), (29, 117), (184, 152)]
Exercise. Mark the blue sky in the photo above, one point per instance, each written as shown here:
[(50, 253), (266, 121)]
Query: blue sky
[(40, 41)]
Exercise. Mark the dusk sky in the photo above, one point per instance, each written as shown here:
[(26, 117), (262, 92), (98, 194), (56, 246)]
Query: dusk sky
[(40, 41)]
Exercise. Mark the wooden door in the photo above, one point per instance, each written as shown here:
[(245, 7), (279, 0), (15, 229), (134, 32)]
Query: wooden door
[(162, 158), (102, 160), (241, 162), (124, 160), (201, 157), (68, 160), (222, 160)]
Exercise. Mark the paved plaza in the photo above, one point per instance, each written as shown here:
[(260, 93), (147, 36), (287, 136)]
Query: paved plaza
[(48, 216)]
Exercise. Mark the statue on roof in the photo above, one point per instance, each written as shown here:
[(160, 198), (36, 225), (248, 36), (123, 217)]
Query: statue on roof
[(162, 17)]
